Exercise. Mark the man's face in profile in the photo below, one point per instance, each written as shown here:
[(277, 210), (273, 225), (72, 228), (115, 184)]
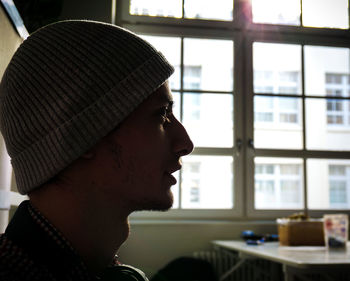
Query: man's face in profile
[(141, 155)]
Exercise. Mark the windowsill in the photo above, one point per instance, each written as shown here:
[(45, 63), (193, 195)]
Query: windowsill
[(245, 223), (338, 129)]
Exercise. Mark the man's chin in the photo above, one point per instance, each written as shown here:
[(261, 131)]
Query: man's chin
[(156, 206), (161, 205)]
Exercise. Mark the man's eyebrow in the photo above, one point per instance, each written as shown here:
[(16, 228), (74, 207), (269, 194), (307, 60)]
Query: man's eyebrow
[(167, 100)]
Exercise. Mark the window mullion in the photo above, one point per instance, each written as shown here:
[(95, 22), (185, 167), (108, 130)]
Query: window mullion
[(239, 124), (181, 109), (305, 193), (248, 94)]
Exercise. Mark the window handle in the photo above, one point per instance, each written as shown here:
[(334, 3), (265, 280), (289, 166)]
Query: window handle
[(251, 144), (238, 147)]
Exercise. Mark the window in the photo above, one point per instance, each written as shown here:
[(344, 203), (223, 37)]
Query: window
[(200, 189), (338, 185), (263, 89), (193, 9), (158, 8), (312, 13), (337, 110), (192, 77), (332, 189), (278, 183), (337, 193)]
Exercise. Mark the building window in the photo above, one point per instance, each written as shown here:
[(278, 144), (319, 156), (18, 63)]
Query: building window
[(192, 77), (278, 184), (337, 85), (338, 185), (328, 184), (337, 193), (195, 195)]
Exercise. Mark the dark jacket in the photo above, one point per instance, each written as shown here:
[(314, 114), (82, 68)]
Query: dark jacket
[(31, 249)]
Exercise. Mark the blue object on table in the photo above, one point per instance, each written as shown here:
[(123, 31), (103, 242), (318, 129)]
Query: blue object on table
[(248, 234), (255, 242)]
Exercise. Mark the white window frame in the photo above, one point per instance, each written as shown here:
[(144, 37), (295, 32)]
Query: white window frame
[(244, 33)]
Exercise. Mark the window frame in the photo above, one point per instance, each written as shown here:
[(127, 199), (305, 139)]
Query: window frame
[(305, 38), (244, 33)]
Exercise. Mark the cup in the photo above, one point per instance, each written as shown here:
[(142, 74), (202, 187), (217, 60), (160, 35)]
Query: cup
[(336, 230)]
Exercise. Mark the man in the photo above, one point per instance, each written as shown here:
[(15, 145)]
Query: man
[(86, 114)]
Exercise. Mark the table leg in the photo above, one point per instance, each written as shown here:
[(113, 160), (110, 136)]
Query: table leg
[(232, 269)]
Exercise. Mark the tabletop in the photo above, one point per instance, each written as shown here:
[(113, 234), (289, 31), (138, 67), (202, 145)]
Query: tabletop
[(296, 256)]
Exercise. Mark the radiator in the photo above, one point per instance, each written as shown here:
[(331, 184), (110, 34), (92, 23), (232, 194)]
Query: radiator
[(252, 269), (259, 269)]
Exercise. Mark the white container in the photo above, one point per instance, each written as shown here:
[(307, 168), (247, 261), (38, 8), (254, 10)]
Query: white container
[(336, 227)]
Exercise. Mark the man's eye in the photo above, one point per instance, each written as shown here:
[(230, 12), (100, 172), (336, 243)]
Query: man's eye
[(165, 113)]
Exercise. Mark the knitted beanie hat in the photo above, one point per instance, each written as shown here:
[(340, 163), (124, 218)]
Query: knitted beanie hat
[(68, 85)]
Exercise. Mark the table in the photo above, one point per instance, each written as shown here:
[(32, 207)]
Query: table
[(296, 261)]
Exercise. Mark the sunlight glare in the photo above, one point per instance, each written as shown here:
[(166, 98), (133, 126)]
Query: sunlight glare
[(326, 13), (276, 11)]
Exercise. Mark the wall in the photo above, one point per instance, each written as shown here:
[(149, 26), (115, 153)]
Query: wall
[(152, 245), (87, 9), (7, 49)]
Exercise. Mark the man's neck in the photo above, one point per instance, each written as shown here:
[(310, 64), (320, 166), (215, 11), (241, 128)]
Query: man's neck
[(94, 233)]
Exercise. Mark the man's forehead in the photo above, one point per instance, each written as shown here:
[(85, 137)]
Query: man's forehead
[(162, 95)]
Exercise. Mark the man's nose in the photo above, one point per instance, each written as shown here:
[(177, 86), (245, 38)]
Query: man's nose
[(182, 144)]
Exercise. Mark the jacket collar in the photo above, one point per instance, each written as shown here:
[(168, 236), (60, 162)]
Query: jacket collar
[(43, 242)]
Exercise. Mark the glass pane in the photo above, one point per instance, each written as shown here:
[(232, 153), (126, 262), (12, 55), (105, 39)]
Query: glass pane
[(327, 71), (326, 13), (208, 72), (177, 105), (156, 8), (276, 11), (275, 71), (278, 122), (170, 47), (176, 112), (207, 182), (278, 183), (328, 184), (208, 9), (208, 119), (327, 124)]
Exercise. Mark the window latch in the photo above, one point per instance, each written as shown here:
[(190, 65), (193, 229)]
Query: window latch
[(238, 147), (251, 144)]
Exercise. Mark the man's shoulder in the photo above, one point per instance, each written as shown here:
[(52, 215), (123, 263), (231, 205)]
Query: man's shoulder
[(8, 261), (16, 264), (9, 252)]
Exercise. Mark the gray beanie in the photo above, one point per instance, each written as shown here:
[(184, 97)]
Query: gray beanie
[(68, 85)]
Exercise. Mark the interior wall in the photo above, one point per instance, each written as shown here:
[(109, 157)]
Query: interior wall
[(87, 9), (7, 49), (152, 245)]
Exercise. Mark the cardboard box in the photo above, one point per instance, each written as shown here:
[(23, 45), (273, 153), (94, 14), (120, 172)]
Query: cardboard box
[(300, 232)]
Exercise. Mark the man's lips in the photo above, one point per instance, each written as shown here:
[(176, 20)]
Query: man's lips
[(173, 180), (174, 169), (169, 172)]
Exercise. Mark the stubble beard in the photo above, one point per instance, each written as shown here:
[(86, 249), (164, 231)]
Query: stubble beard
[(154, 204), (141, 204)]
